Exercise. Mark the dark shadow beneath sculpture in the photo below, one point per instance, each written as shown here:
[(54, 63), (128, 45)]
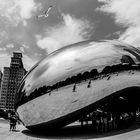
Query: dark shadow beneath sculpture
[(78, 132)]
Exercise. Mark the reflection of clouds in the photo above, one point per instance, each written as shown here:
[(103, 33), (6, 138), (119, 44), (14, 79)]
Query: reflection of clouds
[(28, 61), (117, 34), (62, 63), (69, 68), (77, 60), (41, 70)]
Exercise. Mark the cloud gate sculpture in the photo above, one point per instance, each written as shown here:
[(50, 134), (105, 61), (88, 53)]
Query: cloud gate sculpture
[(71, 81)]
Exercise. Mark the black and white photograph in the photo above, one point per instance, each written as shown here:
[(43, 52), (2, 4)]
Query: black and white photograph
[(69, 69)]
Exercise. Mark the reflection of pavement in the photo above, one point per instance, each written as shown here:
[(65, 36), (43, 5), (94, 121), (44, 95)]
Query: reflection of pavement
[(64, 101), (70, 132)]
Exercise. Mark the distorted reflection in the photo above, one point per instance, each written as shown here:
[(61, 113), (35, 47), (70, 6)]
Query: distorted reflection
[(92, 75), (94, 64)]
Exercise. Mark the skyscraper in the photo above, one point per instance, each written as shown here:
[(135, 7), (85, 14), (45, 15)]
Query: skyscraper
[(0, 78), (10, 81)]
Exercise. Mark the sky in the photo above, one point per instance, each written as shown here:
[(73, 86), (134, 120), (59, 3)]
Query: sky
[(69, 21)]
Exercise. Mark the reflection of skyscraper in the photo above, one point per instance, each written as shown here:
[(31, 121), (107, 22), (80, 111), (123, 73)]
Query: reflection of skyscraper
[(11, 78)]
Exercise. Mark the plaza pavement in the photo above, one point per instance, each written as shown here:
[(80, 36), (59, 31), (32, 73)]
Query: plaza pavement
[(73, 131)]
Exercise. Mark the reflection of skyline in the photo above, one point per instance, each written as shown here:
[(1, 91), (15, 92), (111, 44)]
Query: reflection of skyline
[(79, 78), (50, 72), (59, 96)]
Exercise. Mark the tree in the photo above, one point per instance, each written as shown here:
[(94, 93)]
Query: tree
[(93, 73)]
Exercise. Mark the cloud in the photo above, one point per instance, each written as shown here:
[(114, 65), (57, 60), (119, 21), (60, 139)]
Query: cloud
[(68, 2), (4, 60), (24, 47), (27, 7), (10, 46), (70, 30), (28, 62), (3, 35), (2, 49), (15, 11), (126, 13)]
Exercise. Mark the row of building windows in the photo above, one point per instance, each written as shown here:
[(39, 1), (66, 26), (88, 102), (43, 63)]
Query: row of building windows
[(11, 78), (3, 97), (9, 103), (4, 88)]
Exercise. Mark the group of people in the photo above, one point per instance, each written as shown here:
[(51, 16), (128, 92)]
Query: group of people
[(13, 122), (105, 121), (100, 122)]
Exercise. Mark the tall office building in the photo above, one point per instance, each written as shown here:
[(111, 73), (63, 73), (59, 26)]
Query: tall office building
[(0, 79), (11, 78)]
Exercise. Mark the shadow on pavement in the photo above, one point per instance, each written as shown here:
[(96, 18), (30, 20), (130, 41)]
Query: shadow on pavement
[(77, 132), (16, 131)]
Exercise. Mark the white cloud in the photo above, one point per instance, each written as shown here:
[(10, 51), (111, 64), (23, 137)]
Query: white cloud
[(26, 8), (2, 49), (68, 2), (10, 46), (17, 10), (24, 47), (28, 62), (4, 60), (127, 13), (71, 30), (3, 35)]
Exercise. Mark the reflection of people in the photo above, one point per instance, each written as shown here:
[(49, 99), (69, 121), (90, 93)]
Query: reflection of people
[(74, 88), (89, 84), (138, 116), (81, 120)]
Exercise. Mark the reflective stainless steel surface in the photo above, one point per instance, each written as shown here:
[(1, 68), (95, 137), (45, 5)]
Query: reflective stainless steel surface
[(73, 78)]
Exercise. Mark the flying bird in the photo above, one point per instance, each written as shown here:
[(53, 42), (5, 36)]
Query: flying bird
[(46, 13)]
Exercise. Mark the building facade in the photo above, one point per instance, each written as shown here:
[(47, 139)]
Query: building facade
[(0, 79), (11, 78)]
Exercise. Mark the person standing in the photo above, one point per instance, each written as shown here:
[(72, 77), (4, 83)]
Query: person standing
[(14, 124), (11, 124)]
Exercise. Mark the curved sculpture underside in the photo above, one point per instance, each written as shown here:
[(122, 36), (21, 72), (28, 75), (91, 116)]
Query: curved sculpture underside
[(72, 81)]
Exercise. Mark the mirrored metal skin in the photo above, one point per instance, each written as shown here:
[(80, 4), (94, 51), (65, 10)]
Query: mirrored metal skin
[(48, 88)]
